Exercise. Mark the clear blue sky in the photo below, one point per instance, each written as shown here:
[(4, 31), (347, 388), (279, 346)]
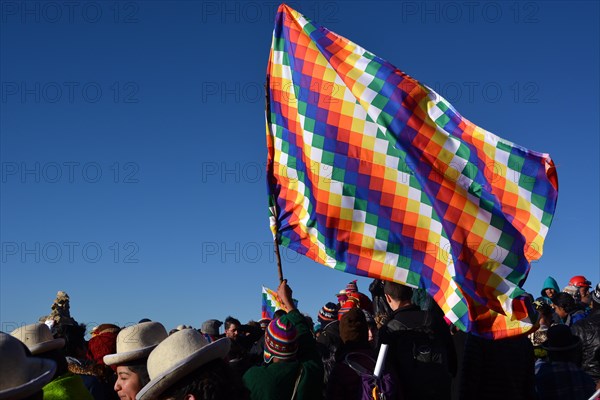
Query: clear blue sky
[(133, 142)]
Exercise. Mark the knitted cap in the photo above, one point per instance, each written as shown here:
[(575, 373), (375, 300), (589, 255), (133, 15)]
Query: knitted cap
[(280, 340), (264, 323), (328, 313), (348, 304), (351, 287)]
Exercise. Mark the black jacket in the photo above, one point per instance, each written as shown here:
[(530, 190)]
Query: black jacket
[(588, 330)]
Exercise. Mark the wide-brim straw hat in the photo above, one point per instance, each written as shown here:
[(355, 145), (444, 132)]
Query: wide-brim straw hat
[(176, 357), (22, 376), (38, 338), (136, 342)]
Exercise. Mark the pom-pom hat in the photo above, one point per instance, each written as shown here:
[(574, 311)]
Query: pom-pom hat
[(280, 340)]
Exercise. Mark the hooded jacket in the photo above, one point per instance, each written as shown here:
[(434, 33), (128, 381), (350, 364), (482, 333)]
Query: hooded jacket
[(549, 283)]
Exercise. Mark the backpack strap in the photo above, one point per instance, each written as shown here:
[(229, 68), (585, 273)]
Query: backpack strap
[(297, 383), (356, 366), (395, 326)]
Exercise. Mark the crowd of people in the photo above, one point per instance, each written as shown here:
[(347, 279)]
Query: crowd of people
[(290, 357)]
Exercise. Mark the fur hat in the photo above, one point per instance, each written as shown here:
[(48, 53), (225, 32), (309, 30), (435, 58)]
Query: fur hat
[(353, 327), (22, 376), (280, 340), (136, 342), (103, 342), (328, 313), (176, 357), (38, 338), (211, 327), (560, 338)]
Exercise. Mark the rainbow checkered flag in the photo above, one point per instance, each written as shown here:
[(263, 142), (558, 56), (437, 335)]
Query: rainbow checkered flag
[(372, 173), (271, 303)]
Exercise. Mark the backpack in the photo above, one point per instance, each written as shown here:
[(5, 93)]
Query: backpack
[(373, 388), (429, 356), (426, 349)]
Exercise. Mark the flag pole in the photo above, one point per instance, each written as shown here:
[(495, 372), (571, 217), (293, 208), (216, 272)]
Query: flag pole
[(279, 269), (276, 245)]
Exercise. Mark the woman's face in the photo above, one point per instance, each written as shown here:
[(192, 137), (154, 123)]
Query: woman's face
[(550, 292), (128, 383)]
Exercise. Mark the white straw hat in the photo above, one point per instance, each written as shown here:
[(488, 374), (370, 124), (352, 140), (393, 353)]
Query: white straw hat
[(22, 376), (136, 342), (38, 338), (177, 356)]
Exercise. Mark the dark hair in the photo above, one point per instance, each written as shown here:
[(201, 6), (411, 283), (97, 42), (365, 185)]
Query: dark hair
[(139, 368), (397, 291), (232, 321), (564, 301), (279, 313), (212, 381)]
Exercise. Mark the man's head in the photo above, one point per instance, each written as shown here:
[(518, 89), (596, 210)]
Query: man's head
[(232, 326), (397, 295), (582, 285), (562, 345)]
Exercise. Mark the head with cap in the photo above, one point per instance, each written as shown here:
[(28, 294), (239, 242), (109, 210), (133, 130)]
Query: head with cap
[(264, 323), (352, 287), (211, 327), (181, 362), (328, 313), (342, 296), (561, 344), (103, 342), (40, 342), (23, 376), (596, 297), (352, 302), (583, 287), (280, 341), (134, 345)]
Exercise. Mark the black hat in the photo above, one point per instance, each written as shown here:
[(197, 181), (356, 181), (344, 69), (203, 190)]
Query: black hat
[(560, 338)]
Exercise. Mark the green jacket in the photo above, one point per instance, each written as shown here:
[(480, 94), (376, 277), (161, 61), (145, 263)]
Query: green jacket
[(275, 381), (66, 387)]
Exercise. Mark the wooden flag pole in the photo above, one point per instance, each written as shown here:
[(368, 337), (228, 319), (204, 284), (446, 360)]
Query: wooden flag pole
[(267, 112), (279, 269)]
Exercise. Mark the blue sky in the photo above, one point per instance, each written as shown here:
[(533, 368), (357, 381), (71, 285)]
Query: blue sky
[(133, 142)]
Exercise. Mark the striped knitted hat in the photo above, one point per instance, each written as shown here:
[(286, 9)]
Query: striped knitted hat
[(280, 340), (352, 302), (351, 287), (328, 313)]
